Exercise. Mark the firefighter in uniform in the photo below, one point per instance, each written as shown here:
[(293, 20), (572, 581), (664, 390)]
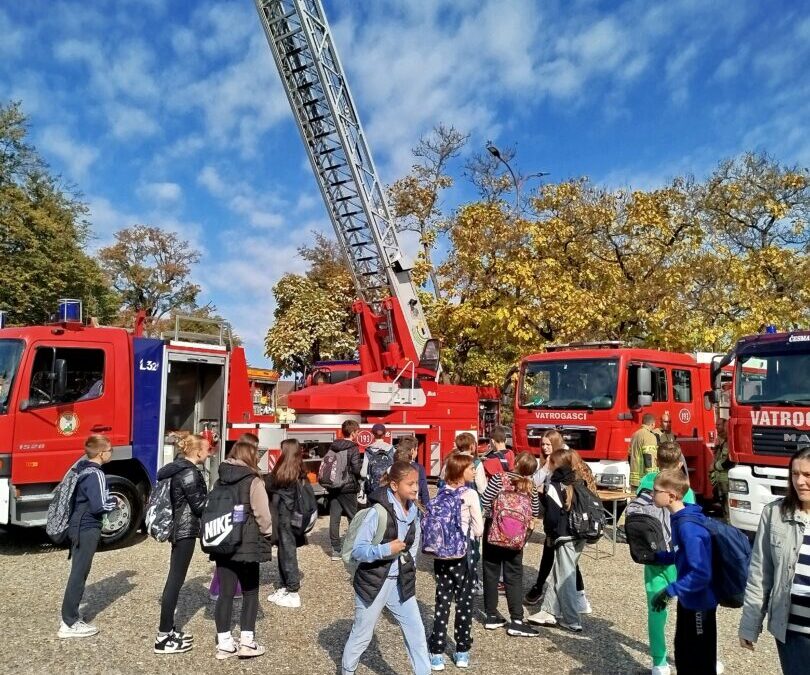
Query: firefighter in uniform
[(643, 449), (718, 474), (664, 432)]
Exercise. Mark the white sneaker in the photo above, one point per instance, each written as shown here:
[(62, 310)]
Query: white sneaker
[(279, 593), (661, 670), (583, 606), (289, 600), (542, 618), (80, 629), (719, 668)]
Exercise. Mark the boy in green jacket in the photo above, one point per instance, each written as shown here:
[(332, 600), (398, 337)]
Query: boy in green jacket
[(658, 577)]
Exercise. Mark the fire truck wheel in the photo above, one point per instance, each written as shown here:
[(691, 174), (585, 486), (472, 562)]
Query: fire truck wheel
[(122, 522)]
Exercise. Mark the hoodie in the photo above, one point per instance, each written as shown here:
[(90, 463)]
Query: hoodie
[(90, 499), (692, 555), (354, 465)]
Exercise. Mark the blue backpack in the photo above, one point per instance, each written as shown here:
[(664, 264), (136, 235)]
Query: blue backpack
[(442, 534), (731, 556)]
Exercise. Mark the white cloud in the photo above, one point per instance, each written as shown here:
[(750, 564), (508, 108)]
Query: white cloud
[(106, 219), (679, 69), (75, 157), (11, 44), (162, 193), (128, 122), (258, 210)]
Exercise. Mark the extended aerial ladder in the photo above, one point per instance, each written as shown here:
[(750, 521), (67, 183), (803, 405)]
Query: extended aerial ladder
[(392, 328)]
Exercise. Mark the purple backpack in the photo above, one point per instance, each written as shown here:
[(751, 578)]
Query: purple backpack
[(442, 534)]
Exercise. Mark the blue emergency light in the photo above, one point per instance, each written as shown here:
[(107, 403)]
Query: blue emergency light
[(770, 328), (69, 311)]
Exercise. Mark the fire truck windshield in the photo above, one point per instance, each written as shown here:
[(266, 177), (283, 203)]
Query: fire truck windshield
[(575, 383), (10, 352), (773, 378)]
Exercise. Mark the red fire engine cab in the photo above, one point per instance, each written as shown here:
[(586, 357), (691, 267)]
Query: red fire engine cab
[(595, 394), (768, 418)]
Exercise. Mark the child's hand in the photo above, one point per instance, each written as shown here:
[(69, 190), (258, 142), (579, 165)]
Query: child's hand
[(659, 601), (397, 546), (746, 644)]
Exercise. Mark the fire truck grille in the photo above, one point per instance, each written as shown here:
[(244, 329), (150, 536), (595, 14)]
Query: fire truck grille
[(779, 440), (576, 438)]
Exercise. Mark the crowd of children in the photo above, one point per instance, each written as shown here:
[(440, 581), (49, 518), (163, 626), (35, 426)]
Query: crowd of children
[(486, 507)]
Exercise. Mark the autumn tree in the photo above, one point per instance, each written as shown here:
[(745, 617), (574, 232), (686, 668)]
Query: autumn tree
[(43, 234), (150, 269), (313, 320)]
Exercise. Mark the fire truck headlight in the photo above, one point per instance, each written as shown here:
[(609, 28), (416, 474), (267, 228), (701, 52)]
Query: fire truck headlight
[(738, 486)]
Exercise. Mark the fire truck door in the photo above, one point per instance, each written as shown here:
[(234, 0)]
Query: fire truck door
[(66, 394)]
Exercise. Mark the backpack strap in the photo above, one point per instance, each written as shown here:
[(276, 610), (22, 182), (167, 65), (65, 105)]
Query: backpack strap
[(382, 523)]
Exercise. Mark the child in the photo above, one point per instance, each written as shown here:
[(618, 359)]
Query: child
[(90, 502), (407, 451), (241, 469), (454, 577), (496, 459), (289, 476), (386, 574), (658, 577), (343, 500), (561, 603), (498, 559), (696, 622), (188, 492)]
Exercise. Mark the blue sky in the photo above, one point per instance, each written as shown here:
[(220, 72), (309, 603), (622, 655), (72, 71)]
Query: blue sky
[(172, 113)]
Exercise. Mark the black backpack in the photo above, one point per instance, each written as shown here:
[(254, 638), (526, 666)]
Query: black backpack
[(222, 519), (647, 528), (586, 519), (304, 511)]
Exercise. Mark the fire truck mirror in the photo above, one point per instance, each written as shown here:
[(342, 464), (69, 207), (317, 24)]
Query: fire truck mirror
[(60, 377), (24, 405), (644, 400), (644, 384)]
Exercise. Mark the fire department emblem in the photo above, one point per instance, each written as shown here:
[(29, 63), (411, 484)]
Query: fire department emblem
[(67, 424), (364, 438), (684, 415)]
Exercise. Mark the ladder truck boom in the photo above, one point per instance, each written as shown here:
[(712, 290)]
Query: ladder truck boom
[(316, 87)]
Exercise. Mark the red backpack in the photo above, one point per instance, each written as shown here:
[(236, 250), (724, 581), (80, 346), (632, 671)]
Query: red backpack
[(511, 518), (497, 462)]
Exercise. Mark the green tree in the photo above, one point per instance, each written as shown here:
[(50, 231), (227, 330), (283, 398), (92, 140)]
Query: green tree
[(43, 235)]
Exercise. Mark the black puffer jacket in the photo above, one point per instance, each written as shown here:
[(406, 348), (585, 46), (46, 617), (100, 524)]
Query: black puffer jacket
[(188, 497), (555, 520), (354, 464)]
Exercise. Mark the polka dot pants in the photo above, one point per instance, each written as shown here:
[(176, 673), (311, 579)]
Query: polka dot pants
[(453, 583)]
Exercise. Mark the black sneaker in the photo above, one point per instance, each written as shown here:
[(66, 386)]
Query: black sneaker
[(520, 629), (534, 596), (494, 621), (182, 636), (171, 645)]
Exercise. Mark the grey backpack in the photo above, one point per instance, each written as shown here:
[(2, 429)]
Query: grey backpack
[(61, 505), (647, 528)]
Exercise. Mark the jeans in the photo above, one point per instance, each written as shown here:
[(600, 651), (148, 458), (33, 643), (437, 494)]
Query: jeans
[(454, 582), (696, 641), (82, 549), (340, 504), (499, 560), (247, 574), (794, 653), (561, 597), (182, 551), (656, 579), (287, 556), (547, 563), (407, 616)]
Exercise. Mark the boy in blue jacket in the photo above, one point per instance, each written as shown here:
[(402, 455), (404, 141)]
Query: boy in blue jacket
[(696, 623), (90, 502)]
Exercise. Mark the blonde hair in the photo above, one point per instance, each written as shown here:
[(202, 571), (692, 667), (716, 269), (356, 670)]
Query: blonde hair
[(557, 441), (95, 445), (673, 480), (190, 444), (525, 466)]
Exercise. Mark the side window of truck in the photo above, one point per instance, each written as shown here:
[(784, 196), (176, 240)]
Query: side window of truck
[(83, 377), (681, 386), (659, 385)]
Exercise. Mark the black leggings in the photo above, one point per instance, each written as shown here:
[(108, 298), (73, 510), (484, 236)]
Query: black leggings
[(546, 563), (247, 573), (182, 551)]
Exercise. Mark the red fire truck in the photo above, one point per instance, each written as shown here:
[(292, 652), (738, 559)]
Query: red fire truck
[(595, 394), (768, 418)]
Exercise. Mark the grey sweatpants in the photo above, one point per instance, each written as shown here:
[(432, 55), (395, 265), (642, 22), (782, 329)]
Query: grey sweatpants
[(560, 599), (82, 549)]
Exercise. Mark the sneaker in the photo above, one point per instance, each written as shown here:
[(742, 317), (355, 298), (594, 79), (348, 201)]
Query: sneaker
[(501, 588), (719, 668), (182, 636), (226, 652), (661, 670), (292, 600), (521, 629), (542, 618), (462, 659), (336, 556), (534, 596), (80, 629), (437, 661), (583, 606), (277, 595), (250, 651), (494, 622), (573, 627), (170, 644)]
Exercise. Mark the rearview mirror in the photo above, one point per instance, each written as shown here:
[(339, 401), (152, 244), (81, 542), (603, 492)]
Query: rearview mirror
[(60, 377), (24, 405), (644, 400), (644, 382)]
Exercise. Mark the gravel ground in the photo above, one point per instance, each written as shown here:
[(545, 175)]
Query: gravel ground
[(125, 584)]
